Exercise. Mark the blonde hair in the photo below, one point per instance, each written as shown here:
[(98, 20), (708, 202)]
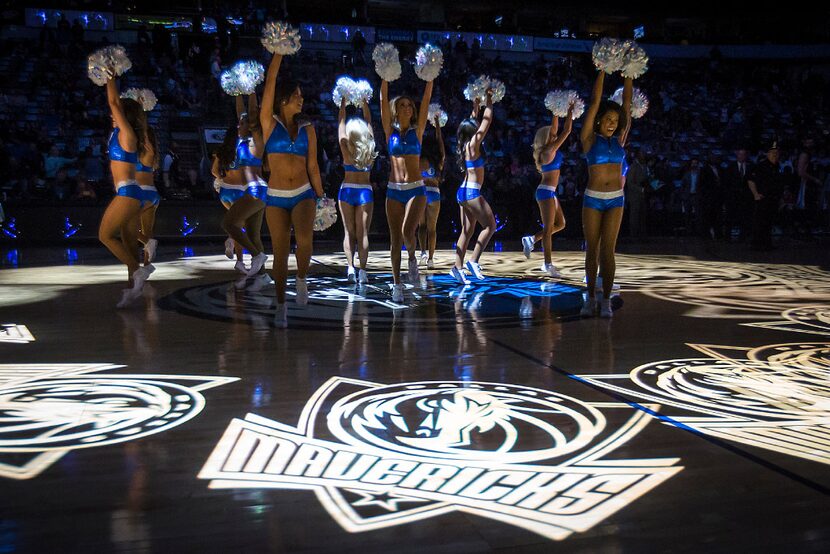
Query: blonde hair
[(360, 143), (394, 110), (539, 143)]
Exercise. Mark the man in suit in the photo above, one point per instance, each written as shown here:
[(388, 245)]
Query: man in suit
[(711, 199), (766, 185), (739, 201)]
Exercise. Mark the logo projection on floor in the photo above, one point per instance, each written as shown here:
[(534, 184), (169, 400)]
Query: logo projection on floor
[(15, 334), (775, 397), (383, 455), (49, 410)]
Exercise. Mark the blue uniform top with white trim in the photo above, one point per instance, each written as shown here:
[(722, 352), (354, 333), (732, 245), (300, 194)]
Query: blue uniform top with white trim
[(347, 167), (280, 141), (555, 164), (118, 154), (406, 146), (473, 164), (244, 157), (605, 151)]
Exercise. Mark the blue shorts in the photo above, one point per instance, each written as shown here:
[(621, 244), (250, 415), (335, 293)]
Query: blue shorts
[(433, 195), (467, 192), (603, 201), (545, 192), (355, 195), (144, 194), (149, 195), (228, 194), (288, 199), (404, 192)]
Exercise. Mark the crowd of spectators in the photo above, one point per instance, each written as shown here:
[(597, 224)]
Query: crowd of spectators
[(53, 141)]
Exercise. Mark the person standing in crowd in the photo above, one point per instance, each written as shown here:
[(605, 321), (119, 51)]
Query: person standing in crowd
[(809, 188), (170, 167), (690, 185), (635, 187), (738, 198), (711, 199), (767, 185)]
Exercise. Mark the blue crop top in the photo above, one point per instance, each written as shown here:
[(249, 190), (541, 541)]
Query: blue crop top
[(244, 158), (555, 164), (605, 151), (429, 173), (406, 146), (347, 167), (280, 141), (473, 164), (141, 168), (118, 154)]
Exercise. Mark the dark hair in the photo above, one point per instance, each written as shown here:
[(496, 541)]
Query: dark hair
[(609, 106), (286, 86), (227, 152), (137, 119), (466, 130), (154, 144), (431, 152)]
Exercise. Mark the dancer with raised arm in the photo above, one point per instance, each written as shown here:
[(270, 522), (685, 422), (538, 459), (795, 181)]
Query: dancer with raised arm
[(433, 156)]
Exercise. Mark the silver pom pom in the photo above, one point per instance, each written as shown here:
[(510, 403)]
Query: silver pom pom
[(356, 93), (242, 78), (362, 92), (143, 96), (635, 60), (106, 63), (608, 55), (639, 102), (387, 62), (428, 62), (281, 38), (559, 101), (326, 214), (479, 87), (435, 110), (341, 90)]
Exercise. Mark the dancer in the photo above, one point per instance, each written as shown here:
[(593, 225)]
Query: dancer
[(120, 222), (145, 170), (603, 137), (432, 167), (474, 207), (244, 191), (294, 184), (229, 185), (356, 199), (406, 192), (549, 160)]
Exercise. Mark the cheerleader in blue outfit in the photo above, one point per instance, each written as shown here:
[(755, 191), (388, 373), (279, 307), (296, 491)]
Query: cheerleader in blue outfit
[(294, 184), (145, 170), (356, 198), (119, 225), (549, 158), (474, 207), (603, 137), (432, 166)]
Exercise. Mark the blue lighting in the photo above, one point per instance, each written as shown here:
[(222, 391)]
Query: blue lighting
[(499, 224), (10, 229), (209, 25), (187, 252), (187, 228), (69, 228), (12, 258), (71, 256), (498, 246)]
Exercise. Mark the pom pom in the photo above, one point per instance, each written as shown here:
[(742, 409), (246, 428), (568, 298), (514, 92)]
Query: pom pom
[(242, 78), (106, 63), (558, 101), (342, 88), (639, 102), (326, 214), (387, 62), (435, 110), (281, 38), (428, 62), (356, 93), (635, 60), (143, 96), (362, 93), (479, 87), (609, 55)]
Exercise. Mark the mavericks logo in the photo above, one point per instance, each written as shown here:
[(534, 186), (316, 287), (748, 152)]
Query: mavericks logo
[(381, 455)]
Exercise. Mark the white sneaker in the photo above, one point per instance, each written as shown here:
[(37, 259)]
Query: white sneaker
[(240, 267), (362, 276), (589, 308), (350, 276), (458, 275), (475, 269), (229, 247), (424, 257), (256, 263), (140, 277), (260, 281), (397, 293), (281, 316), (413, 270), (150, 250), (551, 270), (430, 264), (605, 311), (527, 245), (302, 291)]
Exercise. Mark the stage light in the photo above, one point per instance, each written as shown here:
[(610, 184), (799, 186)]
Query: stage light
[(12, 258), (9, 229), (71, 256), (499, 224), (499, 19), (187, 228), (639, 32), (187, 252), (69, 228)]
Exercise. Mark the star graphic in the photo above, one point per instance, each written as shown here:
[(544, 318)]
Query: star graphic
[(388, 501)]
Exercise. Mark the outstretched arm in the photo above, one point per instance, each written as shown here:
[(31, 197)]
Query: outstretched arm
[(266, 114), (385, 113), (440, 140), (240, 107), (628, 94), (342, 140), (367, 114), (486, 121), (553, 131), (126, 137), (254, 124), (587, 134), (312, 166), (423, 111), (560, 139)]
